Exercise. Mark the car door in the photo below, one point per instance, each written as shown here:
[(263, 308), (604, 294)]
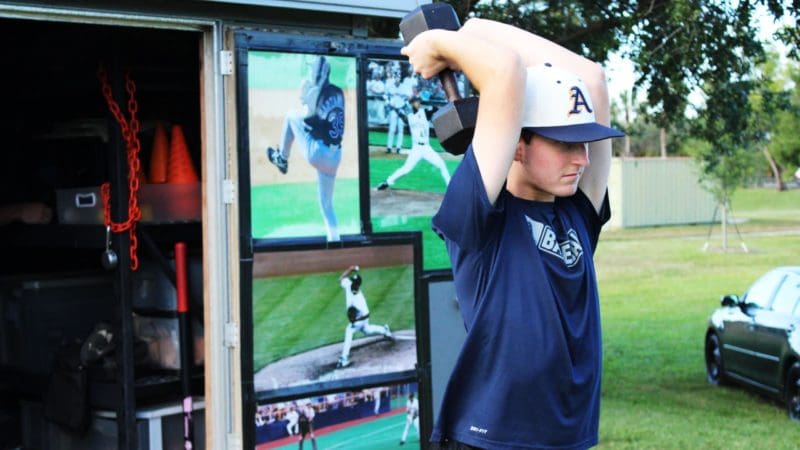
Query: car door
[(739, 347), (773, 327)]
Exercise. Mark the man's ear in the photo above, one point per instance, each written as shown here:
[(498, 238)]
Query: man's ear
[(519, 152)]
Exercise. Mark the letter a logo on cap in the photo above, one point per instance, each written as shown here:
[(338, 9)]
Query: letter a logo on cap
[(578, 100)]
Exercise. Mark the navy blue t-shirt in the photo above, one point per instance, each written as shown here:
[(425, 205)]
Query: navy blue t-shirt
[(528, 375)]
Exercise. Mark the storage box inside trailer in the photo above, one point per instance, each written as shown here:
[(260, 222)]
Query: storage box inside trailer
[(60, 141)]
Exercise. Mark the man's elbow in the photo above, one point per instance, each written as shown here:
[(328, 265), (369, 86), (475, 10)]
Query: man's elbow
[(475, 26), (595, 78), (509, 65)]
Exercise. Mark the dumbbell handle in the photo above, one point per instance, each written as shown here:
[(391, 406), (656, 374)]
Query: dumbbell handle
[(450, 85)]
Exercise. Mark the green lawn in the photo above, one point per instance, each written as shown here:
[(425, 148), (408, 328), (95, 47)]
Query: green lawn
[(657, 290)]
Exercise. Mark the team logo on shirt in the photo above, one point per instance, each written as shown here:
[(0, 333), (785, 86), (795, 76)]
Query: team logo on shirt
[(569, 251)]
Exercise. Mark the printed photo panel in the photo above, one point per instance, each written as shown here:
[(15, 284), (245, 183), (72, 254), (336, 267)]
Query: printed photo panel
[(408, 168), (303, 151), (373, 418), (334, 317)]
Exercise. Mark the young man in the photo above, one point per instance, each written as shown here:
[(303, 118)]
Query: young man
[(420, 147), (318, 129), (521, 219), (357, 313)]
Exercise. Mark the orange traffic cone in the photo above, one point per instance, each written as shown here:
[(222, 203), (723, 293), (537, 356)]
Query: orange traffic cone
[(159, 155), (180, 163)]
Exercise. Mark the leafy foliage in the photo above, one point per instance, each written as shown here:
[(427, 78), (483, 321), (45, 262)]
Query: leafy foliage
[(675, 45), (778, 103), (722, 172)]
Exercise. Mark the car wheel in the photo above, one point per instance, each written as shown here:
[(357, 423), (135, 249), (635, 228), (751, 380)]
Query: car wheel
[(715, 370), (792, 391)]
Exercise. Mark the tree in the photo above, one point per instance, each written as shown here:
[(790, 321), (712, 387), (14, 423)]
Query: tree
[(641, 136), (722, 172), (676, 46), (780, 102)]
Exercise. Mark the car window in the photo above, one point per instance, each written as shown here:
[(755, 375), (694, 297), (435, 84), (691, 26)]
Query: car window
[(760, 293)]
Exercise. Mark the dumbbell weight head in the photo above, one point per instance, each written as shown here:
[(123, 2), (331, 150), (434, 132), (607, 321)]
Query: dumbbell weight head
[(432, 16), (455, 124)]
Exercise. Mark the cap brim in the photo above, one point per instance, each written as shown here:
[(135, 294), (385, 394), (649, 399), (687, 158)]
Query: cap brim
[(584, 132)]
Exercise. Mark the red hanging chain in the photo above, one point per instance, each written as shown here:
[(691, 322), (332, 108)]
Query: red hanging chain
[(130, 132)]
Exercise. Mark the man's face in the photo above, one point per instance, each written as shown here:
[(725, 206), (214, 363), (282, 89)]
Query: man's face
[(552, 168)]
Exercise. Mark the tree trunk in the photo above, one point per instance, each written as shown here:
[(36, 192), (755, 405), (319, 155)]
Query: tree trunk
[(626, 98), (724, 228), (663, 142), (776, 171), (627, 141)]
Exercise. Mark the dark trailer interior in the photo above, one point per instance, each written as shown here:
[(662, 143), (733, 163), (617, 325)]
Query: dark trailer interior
[(59, 136)]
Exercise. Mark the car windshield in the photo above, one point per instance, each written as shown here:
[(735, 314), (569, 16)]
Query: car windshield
[(787, 296), (761, 292)]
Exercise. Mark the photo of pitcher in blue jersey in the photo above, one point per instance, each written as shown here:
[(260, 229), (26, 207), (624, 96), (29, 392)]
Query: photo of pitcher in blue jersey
[(317, 128)]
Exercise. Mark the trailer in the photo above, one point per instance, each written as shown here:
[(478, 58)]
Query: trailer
[(174, 231)]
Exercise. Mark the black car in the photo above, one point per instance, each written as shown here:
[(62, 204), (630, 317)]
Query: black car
[(754, 340)]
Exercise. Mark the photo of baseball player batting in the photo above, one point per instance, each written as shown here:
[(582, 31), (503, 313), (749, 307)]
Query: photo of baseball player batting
[(409, 170), (332, 315), (303, 145), (361, 419)]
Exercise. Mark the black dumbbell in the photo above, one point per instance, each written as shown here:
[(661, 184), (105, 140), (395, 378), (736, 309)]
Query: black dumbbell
[(455, 122)]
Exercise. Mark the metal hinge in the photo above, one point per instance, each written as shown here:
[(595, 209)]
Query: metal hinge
[(231, 335), (226, 62), (228, 191)]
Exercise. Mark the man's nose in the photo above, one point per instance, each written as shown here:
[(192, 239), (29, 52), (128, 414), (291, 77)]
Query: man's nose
[(580, 154)]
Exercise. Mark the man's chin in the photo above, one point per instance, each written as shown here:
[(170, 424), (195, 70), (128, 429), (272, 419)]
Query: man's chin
[(567, 191)]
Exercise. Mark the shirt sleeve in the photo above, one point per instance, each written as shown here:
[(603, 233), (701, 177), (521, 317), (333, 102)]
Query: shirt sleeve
[(594, 219), (466, 216)]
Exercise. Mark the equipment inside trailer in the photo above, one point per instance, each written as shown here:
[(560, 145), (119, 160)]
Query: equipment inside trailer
[(68, 288)]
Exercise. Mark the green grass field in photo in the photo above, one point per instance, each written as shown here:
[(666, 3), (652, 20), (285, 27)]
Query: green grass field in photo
[(377, 138), (294, 314), (424, 177), (281, 70), (292, 209), (657, 290)]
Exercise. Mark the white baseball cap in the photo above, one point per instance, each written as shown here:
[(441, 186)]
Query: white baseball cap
[(558, 107)]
